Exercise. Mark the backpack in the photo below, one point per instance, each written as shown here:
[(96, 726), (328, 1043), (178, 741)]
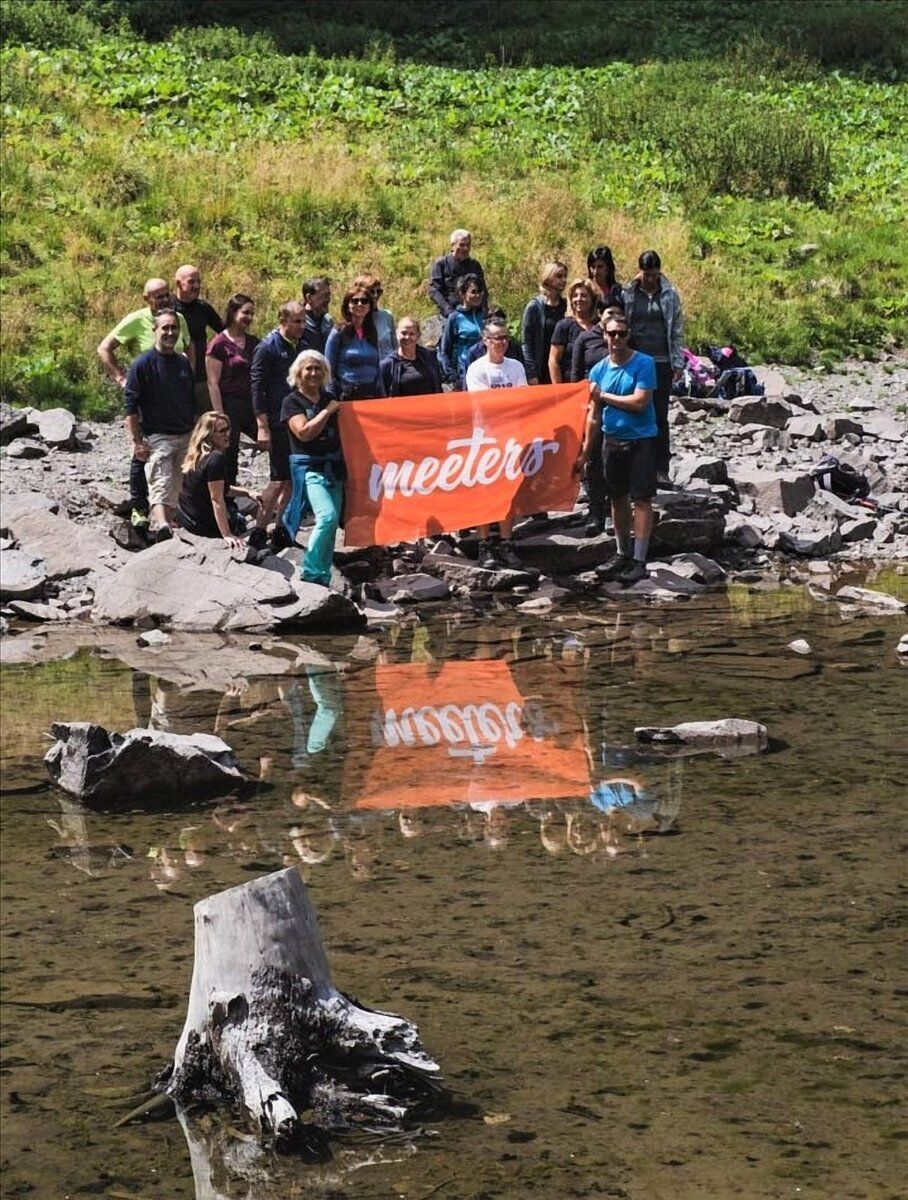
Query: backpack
[(725, 358), (840, 478), (738, 381)]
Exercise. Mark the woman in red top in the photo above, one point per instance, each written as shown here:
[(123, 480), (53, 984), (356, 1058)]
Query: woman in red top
[(228, 362)]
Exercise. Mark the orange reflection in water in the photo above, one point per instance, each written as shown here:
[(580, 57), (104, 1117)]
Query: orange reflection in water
[(461, 733)]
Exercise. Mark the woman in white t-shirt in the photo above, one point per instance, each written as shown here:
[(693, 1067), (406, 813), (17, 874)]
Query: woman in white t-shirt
[(494, 370)]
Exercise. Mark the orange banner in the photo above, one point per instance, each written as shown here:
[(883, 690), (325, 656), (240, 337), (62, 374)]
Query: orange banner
[(423, 465), (462, 733)]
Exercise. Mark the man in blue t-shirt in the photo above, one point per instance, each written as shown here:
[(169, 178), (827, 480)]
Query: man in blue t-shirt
[(621, 402)]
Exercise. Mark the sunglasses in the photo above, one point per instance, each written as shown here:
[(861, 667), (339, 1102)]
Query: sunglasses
[(360, 299), (616, 333)]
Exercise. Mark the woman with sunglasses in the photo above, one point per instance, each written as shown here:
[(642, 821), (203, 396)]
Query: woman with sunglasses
[(202, 505), (581, 317), (352, 349), (384, 321)]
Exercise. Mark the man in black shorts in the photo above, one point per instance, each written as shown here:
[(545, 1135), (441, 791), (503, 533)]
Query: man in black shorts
[(271, 363), (621, 404)]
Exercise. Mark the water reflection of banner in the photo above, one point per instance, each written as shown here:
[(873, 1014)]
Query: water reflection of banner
[(460, 735), (420, 465)]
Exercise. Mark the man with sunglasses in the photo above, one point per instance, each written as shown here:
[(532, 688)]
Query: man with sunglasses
[(621, 403)]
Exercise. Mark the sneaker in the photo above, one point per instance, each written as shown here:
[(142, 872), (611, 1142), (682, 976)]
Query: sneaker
[(164, 534), (632, 573), (488, 560), (507, 556), (138, 519), (613, 566)]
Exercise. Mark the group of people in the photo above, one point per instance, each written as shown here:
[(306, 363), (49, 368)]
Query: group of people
[(197, 383)]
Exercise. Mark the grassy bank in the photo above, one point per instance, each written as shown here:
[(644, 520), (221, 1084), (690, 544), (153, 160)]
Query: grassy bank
[(775, 196)]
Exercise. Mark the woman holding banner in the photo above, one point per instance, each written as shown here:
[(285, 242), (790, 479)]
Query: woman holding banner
[(316, 462)]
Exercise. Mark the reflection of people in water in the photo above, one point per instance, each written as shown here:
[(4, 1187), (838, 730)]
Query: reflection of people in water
[(312, 733)]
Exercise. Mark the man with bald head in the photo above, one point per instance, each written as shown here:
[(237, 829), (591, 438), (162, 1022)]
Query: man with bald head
[(200, 317), (136, 334)]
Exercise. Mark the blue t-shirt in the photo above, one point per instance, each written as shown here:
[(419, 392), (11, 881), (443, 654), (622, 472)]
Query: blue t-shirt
[(638, 372)]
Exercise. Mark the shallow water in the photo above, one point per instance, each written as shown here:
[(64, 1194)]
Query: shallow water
[(652, 977)]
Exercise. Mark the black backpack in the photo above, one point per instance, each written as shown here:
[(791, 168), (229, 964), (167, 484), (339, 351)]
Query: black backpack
[(840, 478)]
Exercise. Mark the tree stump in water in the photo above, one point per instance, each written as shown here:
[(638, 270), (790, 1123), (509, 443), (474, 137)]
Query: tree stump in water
[(266, 1028)]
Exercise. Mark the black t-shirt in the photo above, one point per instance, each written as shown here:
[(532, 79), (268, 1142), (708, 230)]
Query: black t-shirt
[(196, 509), (327, 442), (588, 349), (199, 316)]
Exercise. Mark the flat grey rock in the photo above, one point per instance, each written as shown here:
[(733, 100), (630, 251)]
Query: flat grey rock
[(774, 491), (195, 583), (466, 576), (26, 448), (886, 427), (91, 762), (14, 423), (730, 737), (871, 601), (38, 612), (22, 575), (761, 410), (411, 589), (56, 427), (564, 552), (807, 427), (67, 548)]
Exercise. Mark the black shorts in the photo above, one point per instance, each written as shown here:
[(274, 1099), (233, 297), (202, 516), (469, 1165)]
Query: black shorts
[(279, 455), (630, 468)]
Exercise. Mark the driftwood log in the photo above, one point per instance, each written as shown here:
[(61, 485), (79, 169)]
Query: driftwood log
[(266, 1030)]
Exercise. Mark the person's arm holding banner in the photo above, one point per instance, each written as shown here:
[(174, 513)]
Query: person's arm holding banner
[(306, 429), (593, 418), (633, 403)]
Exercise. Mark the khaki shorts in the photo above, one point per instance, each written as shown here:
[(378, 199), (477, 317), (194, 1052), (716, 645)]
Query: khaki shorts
[(164, 467)]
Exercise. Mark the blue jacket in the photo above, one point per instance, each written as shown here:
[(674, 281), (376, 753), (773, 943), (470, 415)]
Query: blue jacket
[(463, 329), (271, 361), (354, 364)]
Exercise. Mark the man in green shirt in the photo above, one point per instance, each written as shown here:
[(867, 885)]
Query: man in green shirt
[(136, 334)]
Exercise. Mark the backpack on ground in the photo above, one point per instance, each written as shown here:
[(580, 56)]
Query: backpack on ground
[(840, 478)]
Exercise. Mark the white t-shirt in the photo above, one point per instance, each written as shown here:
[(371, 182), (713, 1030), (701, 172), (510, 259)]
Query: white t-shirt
[(484, 374)]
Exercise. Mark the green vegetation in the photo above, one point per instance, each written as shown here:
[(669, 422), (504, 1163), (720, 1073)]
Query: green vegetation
[(774, 190)]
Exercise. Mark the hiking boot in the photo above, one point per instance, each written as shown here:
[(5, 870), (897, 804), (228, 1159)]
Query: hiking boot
[(507, 556), (487, 559), (137, 518), (632, 573), (280, 538), (164, 534), (613, 566), (594, 527)]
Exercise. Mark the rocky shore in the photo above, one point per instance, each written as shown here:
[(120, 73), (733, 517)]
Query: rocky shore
[(744, 508)]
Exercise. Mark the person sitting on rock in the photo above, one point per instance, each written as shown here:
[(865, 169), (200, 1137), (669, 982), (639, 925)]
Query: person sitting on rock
[(316, 462), (136, 334), (271, 361), (448, 270), (319, 322), (494, 370), (159, 398), (202, 505), (200, 317), (621, 402)]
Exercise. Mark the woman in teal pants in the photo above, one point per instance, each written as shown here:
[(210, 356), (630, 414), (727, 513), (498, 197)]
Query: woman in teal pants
[(316, 462)]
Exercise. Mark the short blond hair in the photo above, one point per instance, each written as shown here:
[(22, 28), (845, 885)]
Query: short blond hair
[(296, 367)]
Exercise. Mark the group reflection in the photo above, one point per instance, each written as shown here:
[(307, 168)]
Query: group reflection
[(354, 759)]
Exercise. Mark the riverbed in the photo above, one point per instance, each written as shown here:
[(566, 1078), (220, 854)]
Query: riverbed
[(644, 976)]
